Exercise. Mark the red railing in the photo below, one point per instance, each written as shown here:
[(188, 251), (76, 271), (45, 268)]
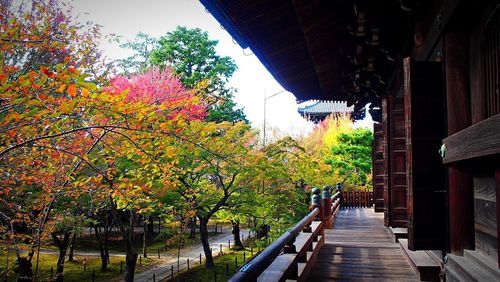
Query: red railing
[(357, 199)]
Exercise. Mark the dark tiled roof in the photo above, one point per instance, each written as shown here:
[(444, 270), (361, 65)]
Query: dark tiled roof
[(324, 107)]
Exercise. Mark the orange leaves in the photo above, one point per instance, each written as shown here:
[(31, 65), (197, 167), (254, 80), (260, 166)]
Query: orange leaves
[(61, 88), (72, 90), (85, 92), (45, 71)]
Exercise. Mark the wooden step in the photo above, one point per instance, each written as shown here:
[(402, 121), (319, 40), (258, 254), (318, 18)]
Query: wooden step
[(483, 261), (426, 267), (452, 276), (398, 232), (459, 268)]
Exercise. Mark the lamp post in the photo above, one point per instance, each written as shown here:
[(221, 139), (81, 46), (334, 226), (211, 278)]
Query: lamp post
[(265, 102)]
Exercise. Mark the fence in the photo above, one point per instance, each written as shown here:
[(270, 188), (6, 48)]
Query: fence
[(357, 199)]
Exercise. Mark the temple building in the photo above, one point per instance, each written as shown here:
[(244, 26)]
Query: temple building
[(316, 111)]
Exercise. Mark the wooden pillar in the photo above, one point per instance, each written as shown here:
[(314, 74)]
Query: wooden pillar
[(460, 186), (385, 149)]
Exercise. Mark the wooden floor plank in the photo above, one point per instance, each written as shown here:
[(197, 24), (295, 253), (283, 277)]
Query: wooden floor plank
[(360, 248)]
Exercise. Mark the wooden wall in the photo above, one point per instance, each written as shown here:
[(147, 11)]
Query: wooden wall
[(485, 215), (397, 161), (385, 144), (378, 166), (484, 45)]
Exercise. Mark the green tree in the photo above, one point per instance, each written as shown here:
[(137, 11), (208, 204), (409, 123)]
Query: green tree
[(351, 157), (142, 45), (192, 56), (210, 173)]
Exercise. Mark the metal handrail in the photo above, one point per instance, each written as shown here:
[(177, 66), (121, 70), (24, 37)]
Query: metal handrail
[(251, 270)]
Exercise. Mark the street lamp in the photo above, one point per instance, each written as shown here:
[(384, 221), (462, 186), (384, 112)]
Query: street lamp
[(264, 126)]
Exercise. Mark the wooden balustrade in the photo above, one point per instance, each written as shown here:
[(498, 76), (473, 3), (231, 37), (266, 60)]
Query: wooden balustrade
[(336, 200), (289, 257), (357, 199), (292, 255)]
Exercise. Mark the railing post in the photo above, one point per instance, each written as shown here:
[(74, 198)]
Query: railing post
[(327, 207), (316, 203), (291, 249), (338, 188)]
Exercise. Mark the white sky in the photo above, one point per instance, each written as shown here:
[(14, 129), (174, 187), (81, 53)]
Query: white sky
[(157, 17)]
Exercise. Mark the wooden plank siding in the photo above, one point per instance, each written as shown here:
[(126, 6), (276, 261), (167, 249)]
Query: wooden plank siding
[(385, 144), (485, 215), (359, 248), (397, 162), (378, 167)]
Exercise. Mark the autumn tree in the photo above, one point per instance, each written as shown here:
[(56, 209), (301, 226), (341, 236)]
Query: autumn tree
[(61, 136), (156, 109), (317, 145), (48, 65)]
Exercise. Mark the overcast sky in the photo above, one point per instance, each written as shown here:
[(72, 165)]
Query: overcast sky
[(157, 17)]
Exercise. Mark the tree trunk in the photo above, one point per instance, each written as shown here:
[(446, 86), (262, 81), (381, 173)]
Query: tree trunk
[(126, 220), (72, 248), (209, 260), (145, 240), (63, 247), (236, 234), (151, 227), (179, 247), (192, 226), (130, 258), (24, 270), (103, 248)]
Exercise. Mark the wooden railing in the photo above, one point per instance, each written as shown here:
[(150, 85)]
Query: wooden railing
[(292, 255), (357, 199)]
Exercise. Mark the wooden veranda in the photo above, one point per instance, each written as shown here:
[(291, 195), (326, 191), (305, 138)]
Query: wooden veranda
[(358, 248), (333, 243)]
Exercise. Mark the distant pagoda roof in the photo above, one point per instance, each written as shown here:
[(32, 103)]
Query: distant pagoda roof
[(317, 110)]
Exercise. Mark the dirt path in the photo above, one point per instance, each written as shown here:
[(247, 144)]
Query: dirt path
[(163, 270)]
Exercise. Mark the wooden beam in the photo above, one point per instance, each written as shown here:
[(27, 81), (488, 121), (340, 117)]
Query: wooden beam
[(435, 32), (479, 140)]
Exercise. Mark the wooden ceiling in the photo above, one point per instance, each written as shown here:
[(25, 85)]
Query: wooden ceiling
[(323, 49)]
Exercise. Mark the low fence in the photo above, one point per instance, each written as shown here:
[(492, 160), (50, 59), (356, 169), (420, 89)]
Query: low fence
[(357, 199)]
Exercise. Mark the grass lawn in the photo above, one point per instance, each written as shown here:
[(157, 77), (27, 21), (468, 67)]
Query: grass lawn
[(73, 271), (225, 265)]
